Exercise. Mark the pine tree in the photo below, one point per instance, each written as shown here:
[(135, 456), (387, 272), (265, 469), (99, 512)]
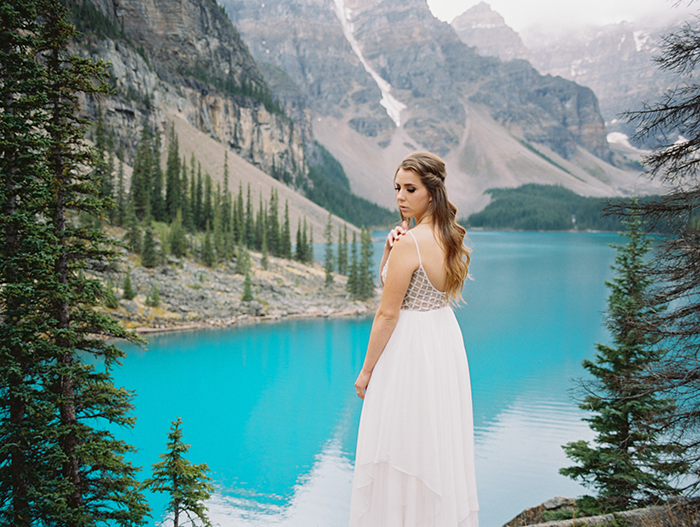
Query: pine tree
[(153, 298), (208, 201), (199, 219), (286, 235), (329, 251), (272, 225), (247, 288), (157, 201), (352, 285), (674, 162), (149, 254), (365, 284), (310, 246), (178, 241), (133, 231), (265, 258), (141, 176), (343, 250), (128, 292), (249, 228), (188, 485), (21, 255), (121, 197), (632, 463), (207, 249), (173, 189), (86, 476), (299, 250)]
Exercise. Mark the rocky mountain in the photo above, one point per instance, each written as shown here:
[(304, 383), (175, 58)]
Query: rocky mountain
[(616, 61), (385, 77), (482, 27), (183, 64), (186, 58)]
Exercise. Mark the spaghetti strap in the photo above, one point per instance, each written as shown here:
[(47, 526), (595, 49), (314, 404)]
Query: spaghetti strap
[(420, 263)]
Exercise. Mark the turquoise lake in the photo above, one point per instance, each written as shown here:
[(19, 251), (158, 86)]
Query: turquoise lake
[(271, 407)]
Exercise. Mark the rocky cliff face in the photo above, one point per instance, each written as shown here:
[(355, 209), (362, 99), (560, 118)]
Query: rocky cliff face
[(187, 58), (616, 61), (356, 58), (483, 28), (383, 77)]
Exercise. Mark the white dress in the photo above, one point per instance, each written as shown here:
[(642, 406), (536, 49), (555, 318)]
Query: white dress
[(414, 465)]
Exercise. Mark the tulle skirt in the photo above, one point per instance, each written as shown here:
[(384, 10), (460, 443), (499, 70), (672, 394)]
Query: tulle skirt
[(414, 465)]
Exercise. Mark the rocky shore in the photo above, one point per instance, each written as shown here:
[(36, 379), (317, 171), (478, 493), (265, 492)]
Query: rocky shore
[(194, 296)]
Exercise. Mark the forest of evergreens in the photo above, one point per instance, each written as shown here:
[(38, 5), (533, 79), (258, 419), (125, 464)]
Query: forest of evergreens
[(535, 207)]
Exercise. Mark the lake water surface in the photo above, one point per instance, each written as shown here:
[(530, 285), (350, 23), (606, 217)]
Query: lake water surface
[(272, 410)]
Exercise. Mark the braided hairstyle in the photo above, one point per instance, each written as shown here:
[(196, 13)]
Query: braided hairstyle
[(450, 235)]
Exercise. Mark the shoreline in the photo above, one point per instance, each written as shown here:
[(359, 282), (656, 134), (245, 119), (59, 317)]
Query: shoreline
[(194, 297)]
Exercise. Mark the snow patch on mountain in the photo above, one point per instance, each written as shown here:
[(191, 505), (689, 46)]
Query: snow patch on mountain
[(392, 106)]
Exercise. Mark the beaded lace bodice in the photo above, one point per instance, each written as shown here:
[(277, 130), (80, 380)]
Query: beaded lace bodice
[(421, 294)]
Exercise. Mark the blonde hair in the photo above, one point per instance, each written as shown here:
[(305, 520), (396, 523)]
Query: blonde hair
[(431, 171)]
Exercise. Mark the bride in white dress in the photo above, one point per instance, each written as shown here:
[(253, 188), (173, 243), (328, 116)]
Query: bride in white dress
[(414, 465)]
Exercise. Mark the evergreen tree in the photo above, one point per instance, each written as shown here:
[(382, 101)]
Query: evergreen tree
[(207, 249), (110, 299), (310, 246), (672, 124), (260, 225), (192, 196), (299, 250), (343, 250), (199, 219), (239, 217), (265, 259), (120, 198), (247, 288), (178, 241), (208, 201), (133, 231), (249, 228), (220, 244), (185, 198), (149, 255), (142, 176), (242, 260), (86, 477), (632, 463), (173, 189), (153, 299), (273, 225), (21, 255), (329, 251), (286, 235), (128, 292), (365, 284), (352, 285), (188, 485), (157, 199)]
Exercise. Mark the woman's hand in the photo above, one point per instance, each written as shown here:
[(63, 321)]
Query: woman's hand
[(395, 233), (361, 383)]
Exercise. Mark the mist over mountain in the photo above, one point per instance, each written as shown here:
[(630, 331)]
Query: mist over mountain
[(616, 61), (486, 30), (385, 77)]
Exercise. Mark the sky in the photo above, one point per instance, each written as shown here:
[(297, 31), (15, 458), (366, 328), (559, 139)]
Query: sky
[(561, 15)]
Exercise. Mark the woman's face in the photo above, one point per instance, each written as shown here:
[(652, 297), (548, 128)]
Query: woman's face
[(412, 197)]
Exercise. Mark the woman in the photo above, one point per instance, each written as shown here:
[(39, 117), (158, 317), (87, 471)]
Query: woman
[(415, 449)]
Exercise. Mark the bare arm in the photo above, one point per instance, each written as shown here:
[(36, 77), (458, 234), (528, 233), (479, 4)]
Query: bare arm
[(403, 263)]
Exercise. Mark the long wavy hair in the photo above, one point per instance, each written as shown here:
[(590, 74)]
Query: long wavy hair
[(450, 235)]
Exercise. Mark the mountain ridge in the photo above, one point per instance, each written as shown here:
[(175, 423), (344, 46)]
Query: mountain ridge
[(442, 82)]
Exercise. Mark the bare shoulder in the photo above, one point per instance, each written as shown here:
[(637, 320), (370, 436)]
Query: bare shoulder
[(404, 250)]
